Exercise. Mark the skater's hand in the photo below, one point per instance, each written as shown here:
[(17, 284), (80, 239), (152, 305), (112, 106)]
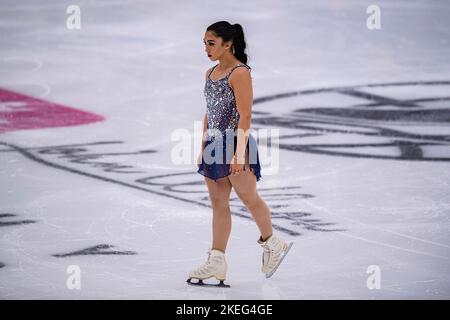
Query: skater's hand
[(236, 166)]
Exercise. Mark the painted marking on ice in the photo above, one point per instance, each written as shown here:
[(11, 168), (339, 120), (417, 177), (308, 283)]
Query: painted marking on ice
[(19, 112), (369, 125), (12, 223), (137, 184), (104, 249)]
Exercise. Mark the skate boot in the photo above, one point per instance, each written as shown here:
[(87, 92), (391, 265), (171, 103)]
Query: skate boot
[(275, 249), (216, 267)]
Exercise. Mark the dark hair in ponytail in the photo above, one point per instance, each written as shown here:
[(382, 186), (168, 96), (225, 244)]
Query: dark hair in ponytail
[(234, 33)]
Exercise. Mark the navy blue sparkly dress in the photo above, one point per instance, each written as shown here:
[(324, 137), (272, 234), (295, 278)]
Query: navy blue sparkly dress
[(221, 134)]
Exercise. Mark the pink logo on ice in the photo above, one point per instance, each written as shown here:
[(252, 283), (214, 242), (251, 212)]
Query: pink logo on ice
[(19, 111)]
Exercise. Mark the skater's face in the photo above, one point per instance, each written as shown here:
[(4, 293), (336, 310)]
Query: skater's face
[(214, 46)]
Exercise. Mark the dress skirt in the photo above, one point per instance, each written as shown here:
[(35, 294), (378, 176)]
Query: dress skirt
[(218, 152)]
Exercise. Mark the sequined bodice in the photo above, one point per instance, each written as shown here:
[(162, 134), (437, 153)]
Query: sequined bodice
[(221, 110)]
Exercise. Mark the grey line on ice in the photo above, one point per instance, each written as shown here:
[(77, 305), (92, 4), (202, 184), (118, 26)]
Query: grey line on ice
[(14, 222), (101, 249), (380, 242), (371, 85), (61, 167), (364, 120)]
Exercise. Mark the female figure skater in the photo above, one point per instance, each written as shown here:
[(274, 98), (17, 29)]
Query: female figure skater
[(229, 98)]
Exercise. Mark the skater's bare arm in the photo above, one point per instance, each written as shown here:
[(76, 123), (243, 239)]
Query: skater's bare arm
[(205, 125), (200, 154), (205, 119)]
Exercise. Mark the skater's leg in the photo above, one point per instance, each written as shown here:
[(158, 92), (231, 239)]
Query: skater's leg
[(244, 184), (219, 194)]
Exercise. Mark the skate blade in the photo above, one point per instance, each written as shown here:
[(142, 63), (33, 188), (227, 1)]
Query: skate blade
[(268, 275), (200, 283)]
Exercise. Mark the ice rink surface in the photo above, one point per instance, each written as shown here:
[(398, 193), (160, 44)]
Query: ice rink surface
[(87, 179)]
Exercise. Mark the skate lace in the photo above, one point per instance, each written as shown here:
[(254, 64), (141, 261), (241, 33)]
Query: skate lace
[(272, 256), (205, 268)]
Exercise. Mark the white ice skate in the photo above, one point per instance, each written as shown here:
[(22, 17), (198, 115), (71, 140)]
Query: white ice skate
[(275, 249), (216, 267)]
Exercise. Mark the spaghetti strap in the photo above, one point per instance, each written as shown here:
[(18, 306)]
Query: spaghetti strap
[(239, 65), (212, 69)]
